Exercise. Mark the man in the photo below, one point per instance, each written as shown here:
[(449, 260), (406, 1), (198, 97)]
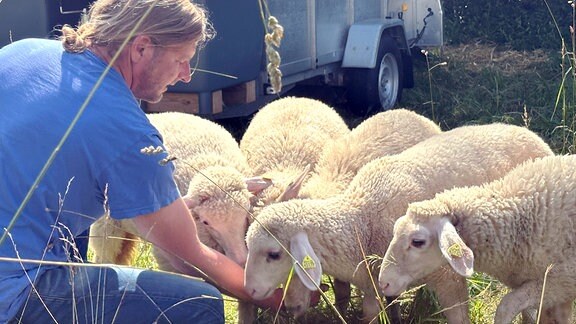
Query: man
[(71, 100)]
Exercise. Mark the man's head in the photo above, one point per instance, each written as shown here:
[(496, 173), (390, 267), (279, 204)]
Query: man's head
[(162, 35), (166, 22)]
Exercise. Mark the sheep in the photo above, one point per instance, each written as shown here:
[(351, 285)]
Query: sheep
[(283, 142), (385, 133), (325, 235), (200, 145), (286, 136), (219, 198), (512, 229)]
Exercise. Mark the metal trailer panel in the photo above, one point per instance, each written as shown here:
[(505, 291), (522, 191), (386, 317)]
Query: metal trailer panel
[(434, 34), (363, 40), (413, 13), (332, 21), (297, 52), (315, 32), (368, 9)]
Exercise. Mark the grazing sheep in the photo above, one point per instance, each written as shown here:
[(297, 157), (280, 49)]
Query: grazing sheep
[(285, 137), (210, 167), (283, 142), (512, 229), (386, 133), (335, 235)]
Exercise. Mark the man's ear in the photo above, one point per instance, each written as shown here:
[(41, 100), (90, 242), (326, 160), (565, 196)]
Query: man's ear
[(141, 47)]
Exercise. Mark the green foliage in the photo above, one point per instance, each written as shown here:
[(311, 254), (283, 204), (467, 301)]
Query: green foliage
[(523, 24)]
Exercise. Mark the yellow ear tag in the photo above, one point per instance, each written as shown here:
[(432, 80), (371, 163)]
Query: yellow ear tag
[(308, 263), (455, 251)]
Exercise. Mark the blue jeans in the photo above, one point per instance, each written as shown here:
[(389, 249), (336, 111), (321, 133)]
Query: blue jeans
[(120, 295)]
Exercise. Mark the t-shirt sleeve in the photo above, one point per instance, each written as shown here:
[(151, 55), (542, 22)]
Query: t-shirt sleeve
[(137, 183)]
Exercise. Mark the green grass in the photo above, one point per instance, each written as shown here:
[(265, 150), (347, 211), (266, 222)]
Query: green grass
[(480, 83)]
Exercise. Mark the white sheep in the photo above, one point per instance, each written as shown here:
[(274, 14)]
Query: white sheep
[(386, 133), (212, 170), (511, 229), (284, 142), (286, 136), (335, 235)]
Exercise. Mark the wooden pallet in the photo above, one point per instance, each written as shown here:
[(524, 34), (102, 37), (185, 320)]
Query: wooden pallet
[(189, 103)]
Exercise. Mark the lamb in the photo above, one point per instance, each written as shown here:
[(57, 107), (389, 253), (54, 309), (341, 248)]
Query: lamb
[(211, 169), (285, 137), (512, 229), (385, 133), (325, 235)]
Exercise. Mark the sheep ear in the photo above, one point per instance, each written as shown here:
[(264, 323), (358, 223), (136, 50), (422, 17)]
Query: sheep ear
[(311, 271), (294, 187), (459, 255), (256, 184)]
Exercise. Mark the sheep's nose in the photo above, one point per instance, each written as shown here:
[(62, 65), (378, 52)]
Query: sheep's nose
[(384, 285)]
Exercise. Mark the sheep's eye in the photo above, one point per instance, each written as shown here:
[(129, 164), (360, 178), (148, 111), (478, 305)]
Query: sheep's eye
[(418, 243), (273, 256), (205, 223)]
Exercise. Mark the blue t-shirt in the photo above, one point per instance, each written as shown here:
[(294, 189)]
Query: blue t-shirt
[(100, 166)]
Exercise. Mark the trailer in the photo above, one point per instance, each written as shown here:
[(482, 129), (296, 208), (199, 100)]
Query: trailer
[(363, 45)]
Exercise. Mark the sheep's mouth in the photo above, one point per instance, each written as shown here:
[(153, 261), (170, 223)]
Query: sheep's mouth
[(259, 294)]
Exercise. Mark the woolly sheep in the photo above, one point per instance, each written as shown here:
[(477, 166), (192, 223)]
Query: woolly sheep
[(512, 229), (283, 142), (210, 167), (285, 137), (325, 235), (386, 133), (202, 146)]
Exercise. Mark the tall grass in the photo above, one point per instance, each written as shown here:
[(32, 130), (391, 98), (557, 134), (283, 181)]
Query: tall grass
[(481, 82)]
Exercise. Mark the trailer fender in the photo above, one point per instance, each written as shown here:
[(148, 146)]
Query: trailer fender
[(363, 41)]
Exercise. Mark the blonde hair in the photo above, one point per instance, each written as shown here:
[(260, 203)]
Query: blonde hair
[(110, 22)]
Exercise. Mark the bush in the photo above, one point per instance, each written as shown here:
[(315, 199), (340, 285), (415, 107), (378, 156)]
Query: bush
[(523, 24)]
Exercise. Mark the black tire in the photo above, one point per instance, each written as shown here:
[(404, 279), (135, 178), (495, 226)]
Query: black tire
[(379, 88)]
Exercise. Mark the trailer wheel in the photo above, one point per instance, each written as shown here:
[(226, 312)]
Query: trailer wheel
[(379, 88)]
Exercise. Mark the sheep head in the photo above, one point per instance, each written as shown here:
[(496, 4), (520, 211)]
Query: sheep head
[(274, 250), (422, 243), (220, 199)]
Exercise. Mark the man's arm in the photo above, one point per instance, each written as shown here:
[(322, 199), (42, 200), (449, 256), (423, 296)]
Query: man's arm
[(173, 229)]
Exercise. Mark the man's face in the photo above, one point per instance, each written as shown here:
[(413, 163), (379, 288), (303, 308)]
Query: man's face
[(159, 68)]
